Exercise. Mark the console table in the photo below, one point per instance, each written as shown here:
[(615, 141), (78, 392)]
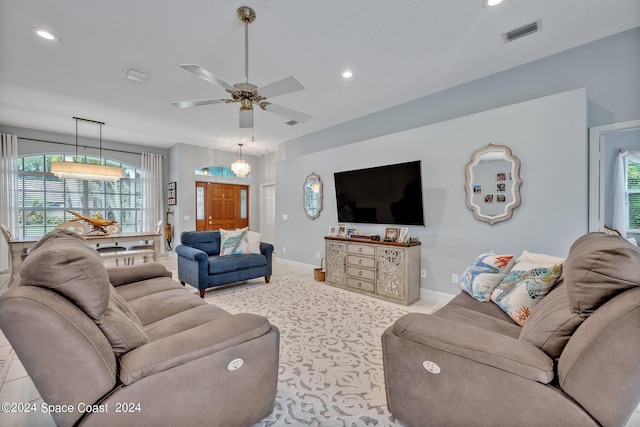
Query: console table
[(386, 270)]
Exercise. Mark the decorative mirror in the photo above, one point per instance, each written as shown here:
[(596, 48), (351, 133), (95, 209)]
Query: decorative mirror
[(312, 196), (493, 183)]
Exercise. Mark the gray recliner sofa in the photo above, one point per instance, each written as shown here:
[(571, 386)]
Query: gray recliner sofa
[(575, 362), (130, 346)]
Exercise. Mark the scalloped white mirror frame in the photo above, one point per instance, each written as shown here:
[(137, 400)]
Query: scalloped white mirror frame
[(514, 188)]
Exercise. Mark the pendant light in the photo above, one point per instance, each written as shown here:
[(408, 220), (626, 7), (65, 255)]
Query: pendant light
[(86, 171), (241, 167)]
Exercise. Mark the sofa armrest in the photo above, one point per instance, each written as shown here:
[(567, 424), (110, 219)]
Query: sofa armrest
[(191, 253), (193, 266), (135, 273), (192, 344), (477, 345)]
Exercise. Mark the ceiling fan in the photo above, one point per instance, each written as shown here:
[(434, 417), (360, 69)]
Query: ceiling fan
[(246, 93)]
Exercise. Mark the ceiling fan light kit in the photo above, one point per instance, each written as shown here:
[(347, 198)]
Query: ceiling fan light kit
[(245, 93)]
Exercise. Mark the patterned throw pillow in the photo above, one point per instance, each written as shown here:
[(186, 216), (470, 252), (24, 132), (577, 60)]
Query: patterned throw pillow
[(233, 242), (531, 278), (484, 274)]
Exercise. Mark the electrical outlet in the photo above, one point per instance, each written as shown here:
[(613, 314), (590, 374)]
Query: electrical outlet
[(317, 255), (423, 273), (285, 217), (454, 279)]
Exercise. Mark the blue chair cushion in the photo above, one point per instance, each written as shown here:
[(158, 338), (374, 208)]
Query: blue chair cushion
[(207, 241), (224, 264)]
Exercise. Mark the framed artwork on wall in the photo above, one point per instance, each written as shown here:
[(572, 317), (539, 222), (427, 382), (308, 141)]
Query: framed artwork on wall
[(172, 198)]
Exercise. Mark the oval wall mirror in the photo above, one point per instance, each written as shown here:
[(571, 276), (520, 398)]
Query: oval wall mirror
[(493, 183), (312, 196)]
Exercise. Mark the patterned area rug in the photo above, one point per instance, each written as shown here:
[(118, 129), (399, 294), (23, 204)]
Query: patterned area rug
[(330, 350)]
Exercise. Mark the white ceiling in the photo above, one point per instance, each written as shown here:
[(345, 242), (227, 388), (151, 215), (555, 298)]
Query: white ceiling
[(397, 51)]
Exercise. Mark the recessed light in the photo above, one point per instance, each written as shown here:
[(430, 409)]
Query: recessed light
[(47, 35), (347, 74), (491, 3)]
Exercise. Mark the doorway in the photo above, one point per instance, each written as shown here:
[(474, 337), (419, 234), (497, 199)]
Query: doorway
[(223, 206)]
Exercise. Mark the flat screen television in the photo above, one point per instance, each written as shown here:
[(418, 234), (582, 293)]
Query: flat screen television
[(390, 194)]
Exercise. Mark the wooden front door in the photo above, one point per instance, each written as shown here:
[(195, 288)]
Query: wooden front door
[(221, 206)]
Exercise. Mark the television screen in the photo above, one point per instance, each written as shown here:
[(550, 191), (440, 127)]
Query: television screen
[(389, 194)]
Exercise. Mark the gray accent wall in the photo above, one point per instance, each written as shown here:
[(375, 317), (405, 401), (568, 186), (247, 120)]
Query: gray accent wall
[(548, 134)]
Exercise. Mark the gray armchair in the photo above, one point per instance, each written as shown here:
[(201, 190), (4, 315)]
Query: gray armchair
[(576, 361)]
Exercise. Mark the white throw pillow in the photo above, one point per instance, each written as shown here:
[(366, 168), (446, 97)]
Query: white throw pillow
[(254, 242)]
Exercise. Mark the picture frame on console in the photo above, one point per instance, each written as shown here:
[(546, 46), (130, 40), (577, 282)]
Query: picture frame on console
[(333, 231), (391, 234), (403, 237), (342, 230)]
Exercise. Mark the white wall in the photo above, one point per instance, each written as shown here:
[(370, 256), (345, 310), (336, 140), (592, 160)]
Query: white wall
[(548, 134)]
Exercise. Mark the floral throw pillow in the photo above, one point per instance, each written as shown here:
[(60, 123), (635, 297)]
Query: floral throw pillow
[(531, 278), (233, 242), (484, 274)]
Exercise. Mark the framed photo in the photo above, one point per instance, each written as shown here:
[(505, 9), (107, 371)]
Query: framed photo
[(342, 230), (333, 231), (404, 235), (501, 198), (488, 198), (502, 187), (477, 189), (391, 234), (502, 176), (172, 198), (351, 231)]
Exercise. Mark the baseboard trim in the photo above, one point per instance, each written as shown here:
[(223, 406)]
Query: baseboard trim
[(436, 296)]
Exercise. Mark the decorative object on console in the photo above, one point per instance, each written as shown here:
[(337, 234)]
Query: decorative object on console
[(241, 167), (403, 237), (87, 171), (342, 230), (98, 223), (312, 196), (391, 234), (484, 274), (530, 279), (489, 167), (333, 231)]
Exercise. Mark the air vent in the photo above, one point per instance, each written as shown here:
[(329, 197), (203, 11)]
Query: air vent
[(291, 123), (525, 30)]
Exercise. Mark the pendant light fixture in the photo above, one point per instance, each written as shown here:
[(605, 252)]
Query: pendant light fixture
[(87, 171), (241, 167)]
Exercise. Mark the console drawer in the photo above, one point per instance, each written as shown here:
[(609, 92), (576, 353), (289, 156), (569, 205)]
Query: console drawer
[(360, 284), (361, 273), (354, 248), (359, 261)]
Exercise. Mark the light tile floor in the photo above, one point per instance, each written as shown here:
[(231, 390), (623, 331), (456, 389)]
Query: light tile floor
[(17, 386)]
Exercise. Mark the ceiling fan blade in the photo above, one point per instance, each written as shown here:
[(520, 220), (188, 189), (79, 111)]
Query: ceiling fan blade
[(206, 75), (246, 118), (281, 87), (288, 113), (186, 104)]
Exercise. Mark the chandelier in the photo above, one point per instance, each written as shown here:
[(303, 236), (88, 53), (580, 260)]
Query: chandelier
[(241, 167), (87, 171)]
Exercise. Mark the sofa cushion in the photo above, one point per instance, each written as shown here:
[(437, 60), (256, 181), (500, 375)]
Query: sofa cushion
[(63, 262), (530, 279), (233, 242), (485, 273), (226, 264), (599, 267), (207, 241), (121, 326), (552, 322)]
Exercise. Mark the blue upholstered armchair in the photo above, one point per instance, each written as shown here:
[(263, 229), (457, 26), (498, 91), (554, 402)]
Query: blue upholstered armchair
[(201, 266)]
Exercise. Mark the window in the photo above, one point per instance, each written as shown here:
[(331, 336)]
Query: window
[(43, 199), (633, 195)]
